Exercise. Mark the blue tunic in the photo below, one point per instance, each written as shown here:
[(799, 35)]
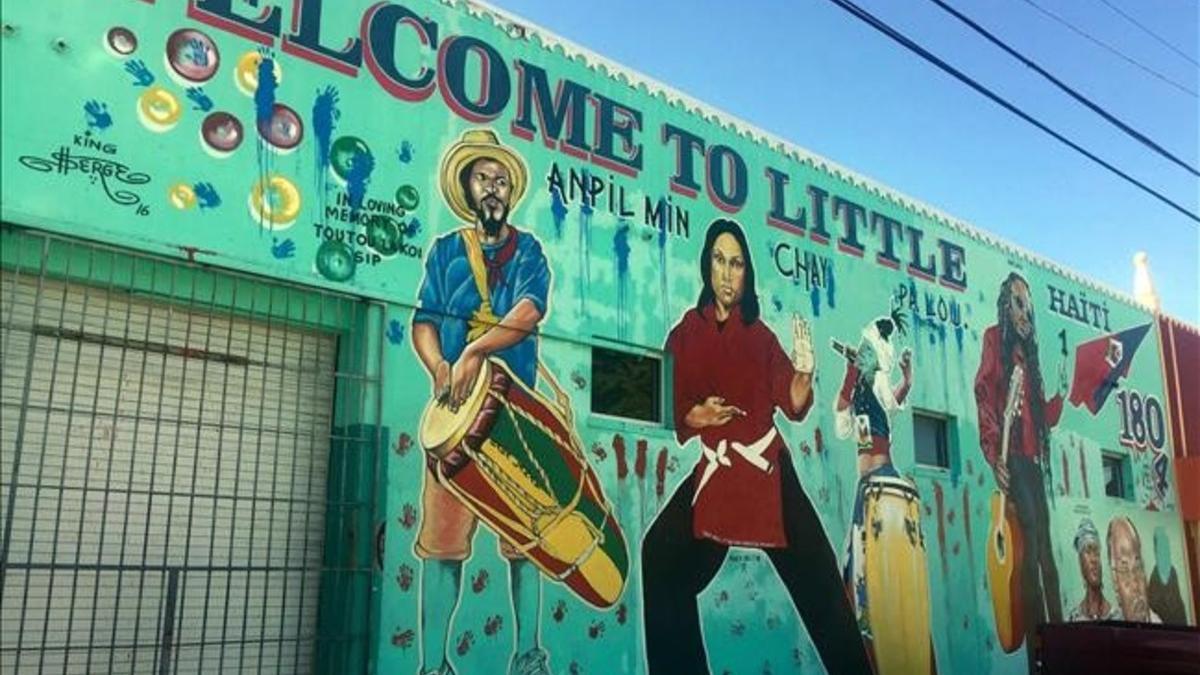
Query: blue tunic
[(449, 296)]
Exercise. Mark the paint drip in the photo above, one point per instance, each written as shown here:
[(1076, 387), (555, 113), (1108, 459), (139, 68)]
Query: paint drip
[(357, 178), (618, 444), (557, 209), (621, 260), (325, 116)]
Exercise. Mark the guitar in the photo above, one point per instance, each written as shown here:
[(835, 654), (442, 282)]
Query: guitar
[(1005, 546)]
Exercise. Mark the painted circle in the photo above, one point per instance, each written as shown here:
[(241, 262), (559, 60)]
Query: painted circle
[(222, 132), (181, 196), (121, 41), (335, 261), (342, 154), (159, 109), (384, 236), (283, 129), (407, 197), (192, 55), (275, 201), (245, 73)]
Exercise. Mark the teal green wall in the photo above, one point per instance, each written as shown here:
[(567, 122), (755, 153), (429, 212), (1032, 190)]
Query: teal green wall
[(54, 64)]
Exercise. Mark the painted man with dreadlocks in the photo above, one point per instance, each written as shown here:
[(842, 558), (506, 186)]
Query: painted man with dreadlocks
[(1011, 343)]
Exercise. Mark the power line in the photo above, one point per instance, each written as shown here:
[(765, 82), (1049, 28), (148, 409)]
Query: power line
[(1151, 33), (1110, 48), (1071, 92), (871, 20)]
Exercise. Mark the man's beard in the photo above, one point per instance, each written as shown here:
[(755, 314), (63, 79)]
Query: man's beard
[(491, 225)]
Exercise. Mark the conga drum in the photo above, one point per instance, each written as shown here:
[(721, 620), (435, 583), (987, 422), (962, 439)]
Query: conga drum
[(512, 457), (897, 584)]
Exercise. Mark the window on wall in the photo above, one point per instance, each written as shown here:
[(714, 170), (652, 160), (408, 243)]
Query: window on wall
[(1118, 475), (627, 384), (931, 439)]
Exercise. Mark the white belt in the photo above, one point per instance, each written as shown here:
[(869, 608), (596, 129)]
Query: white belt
[(752, 453)]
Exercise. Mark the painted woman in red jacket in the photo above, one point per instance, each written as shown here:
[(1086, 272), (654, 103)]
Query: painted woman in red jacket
[(730, 376)]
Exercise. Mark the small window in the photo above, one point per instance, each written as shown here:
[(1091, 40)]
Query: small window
[(1118, 475), (931, 439), (627, 384)]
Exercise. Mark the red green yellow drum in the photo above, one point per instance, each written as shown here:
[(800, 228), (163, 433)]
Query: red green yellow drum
[(512, 457), (896, 577)]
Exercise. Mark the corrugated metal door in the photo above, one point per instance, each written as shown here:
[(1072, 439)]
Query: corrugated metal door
[(163, 469)]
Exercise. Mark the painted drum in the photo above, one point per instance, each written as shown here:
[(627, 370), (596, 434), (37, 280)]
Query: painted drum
[(512, 457), (283, 130), (181, 196), (221, 133), (120, 41), (407, 197), (897, 583), (383, 236), (159, 109), (342, 155), (335, 261), (275, 202), (245, 73), (191, 57)]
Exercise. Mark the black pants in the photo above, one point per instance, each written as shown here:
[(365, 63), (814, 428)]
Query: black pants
[(1039, 577), (676, 567)]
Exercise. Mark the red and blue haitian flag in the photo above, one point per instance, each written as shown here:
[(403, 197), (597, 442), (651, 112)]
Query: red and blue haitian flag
[(1100, 363)]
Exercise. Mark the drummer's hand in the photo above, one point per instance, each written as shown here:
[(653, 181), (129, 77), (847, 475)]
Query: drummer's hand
[(441, 382), (712, 413), (463, 374)]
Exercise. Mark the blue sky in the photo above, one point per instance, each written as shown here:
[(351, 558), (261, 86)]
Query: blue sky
[(812, 73)]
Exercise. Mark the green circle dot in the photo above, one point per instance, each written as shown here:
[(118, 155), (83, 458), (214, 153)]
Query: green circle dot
[(407, 197), (343, 152), (335, 261), (384, 236)]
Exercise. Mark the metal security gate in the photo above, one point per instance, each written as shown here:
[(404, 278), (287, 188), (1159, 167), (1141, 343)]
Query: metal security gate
[(174, 467)]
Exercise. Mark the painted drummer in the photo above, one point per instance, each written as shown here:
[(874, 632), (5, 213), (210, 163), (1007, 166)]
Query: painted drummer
[(731, 377), (486, 288), (862, 410)]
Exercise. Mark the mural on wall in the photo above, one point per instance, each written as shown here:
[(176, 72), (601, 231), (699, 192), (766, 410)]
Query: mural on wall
[(1014, 434), (296, 141), (498, 450), (885, 571), (730, 376), (1094, 606), (1129, 571), (1162, 588)]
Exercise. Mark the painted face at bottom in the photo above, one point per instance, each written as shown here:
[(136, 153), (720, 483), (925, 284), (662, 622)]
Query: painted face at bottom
[(1129, 573), (1089, 565), (728, 272)]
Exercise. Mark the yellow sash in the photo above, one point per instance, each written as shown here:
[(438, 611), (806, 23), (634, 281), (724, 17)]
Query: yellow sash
[(482, 319)]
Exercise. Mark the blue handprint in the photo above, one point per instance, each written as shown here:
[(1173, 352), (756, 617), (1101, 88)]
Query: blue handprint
[(283, 250), (142, 77), (405, 152), (198, 52), (412, 228), (206, 195), (97, 115), (395, 332), (200, 100)]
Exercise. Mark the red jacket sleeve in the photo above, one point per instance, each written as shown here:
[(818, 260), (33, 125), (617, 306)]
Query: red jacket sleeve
[(684, 391), (988, 382)]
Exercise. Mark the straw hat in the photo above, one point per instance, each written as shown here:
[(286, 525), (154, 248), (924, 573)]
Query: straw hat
[(476, 144)]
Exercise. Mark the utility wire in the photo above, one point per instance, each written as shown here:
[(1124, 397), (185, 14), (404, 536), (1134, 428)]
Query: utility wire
[(1114, 50), (1071, 92), (871, 20), (1151, 33)]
